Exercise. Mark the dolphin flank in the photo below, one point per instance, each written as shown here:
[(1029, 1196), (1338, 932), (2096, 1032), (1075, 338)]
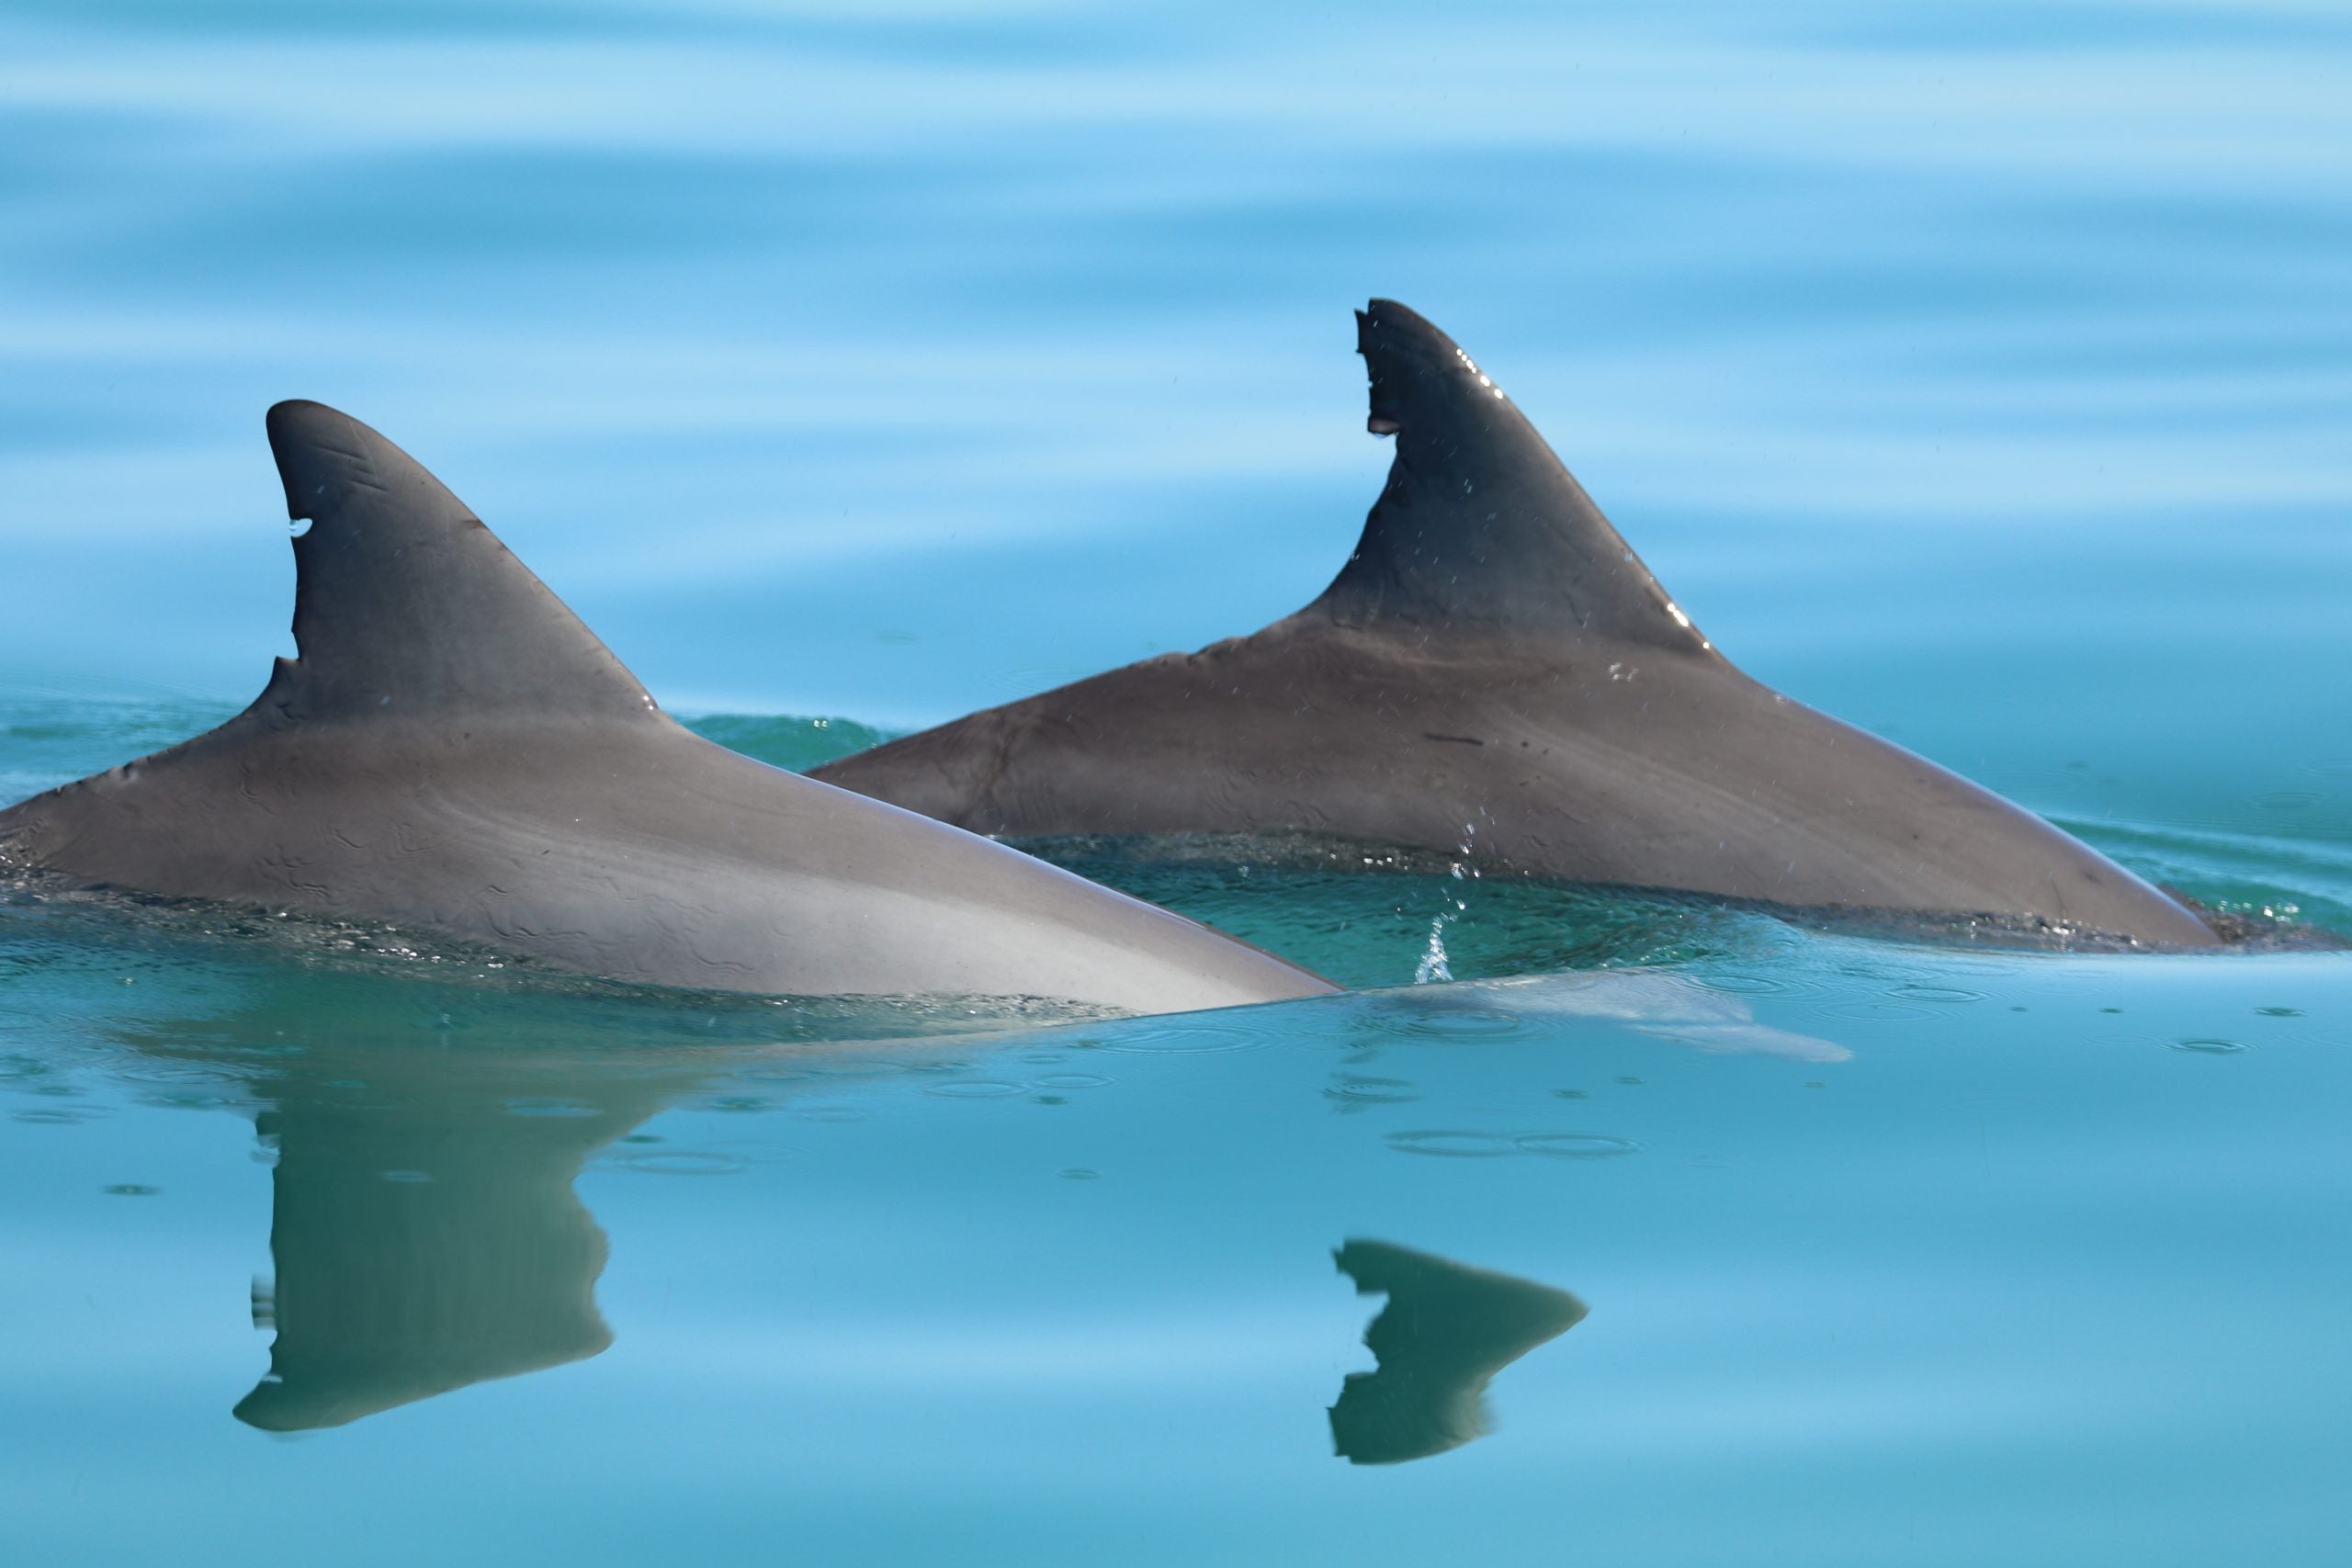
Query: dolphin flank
[(1496, 676), (454, 749)]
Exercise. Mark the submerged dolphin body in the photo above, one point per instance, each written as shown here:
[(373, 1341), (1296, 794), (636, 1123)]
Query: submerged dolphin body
[(1496, 676), (453, 749)]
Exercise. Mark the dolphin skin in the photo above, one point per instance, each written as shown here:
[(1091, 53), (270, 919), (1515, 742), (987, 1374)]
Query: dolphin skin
[(454, 749), (1495, 676)]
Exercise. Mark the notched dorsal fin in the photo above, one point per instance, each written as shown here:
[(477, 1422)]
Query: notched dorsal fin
[(1479, 523), (405, 603)]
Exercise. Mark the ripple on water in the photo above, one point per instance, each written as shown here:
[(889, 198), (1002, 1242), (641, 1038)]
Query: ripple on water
[(1924, 993), (1451, 1022), (2208, 1046), (1452, 1145), (1356, 1091), (535, 1105), (1186, 1042), (1460, 1144), (1072, 1080), (169, 1073), (975, 1088), (1742, 985), (1865, 1011), (683, 1162), (1578, 1145)]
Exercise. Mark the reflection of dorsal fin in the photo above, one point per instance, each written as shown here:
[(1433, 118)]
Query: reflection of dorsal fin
[(1479, 523), (404, 603), (1448, 1329)]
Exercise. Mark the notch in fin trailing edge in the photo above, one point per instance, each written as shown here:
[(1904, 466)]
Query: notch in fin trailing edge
[(404, 603)]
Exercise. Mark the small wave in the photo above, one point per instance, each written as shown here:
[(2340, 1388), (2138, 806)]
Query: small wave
[(784, 740)]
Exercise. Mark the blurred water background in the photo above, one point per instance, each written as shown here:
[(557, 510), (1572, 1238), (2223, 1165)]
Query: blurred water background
[(1978, 373)]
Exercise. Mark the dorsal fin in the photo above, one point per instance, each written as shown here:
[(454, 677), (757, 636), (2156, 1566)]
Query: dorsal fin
[(1480, 523), (405, 603)]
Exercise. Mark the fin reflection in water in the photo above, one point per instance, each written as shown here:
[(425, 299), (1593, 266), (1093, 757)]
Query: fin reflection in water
[(424, 1230), (421, 1249), (1446, 1331)]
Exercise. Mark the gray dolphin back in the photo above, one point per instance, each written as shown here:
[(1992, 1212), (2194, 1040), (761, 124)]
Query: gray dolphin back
[(1494, 675), (453, 749)]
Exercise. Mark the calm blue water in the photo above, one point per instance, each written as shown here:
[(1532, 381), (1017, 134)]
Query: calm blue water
[(1980, 374)]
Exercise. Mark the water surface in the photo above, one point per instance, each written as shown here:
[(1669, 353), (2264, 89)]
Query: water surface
[(1975, 373)]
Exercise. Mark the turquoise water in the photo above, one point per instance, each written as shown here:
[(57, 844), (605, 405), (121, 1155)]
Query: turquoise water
[(1976, 373)]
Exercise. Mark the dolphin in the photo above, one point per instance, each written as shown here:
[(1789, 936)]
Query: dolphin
[(1495, 676), (454, 749)]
